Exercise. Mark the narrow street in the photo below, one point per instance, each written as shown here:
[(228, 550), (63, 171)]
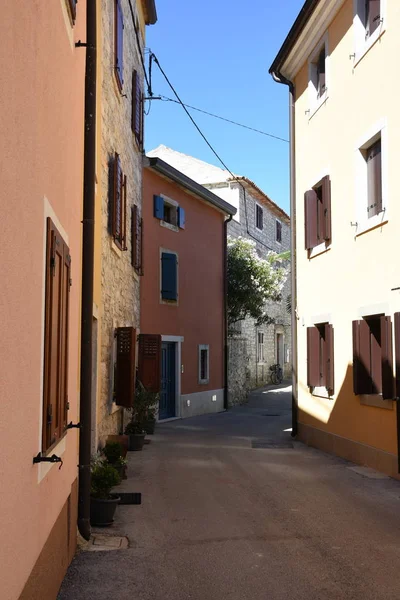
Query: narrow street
[(223, 520)]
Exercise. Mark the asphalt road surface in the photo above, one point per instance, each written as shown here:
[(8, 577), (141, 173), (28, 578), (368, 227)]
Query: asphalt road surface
[(223, 520)]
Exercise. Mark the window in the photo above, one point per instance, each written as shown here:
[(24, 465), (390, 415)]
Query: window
[(278, 231), (373, 157), (368, 25), (169, 212), (72, 9), (318, 76), (118, 204), (55, 379), (320, 370), (317, 209), (125, 368), (260, 347), (119, 44), (372, 16), (137, 240), (169, 276), (259, 217), (204, 362), (137, 109), (373, 356)]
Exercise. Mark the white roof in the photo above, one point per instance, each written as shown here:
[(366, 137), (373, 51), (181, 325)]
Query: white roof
[(196, 169)]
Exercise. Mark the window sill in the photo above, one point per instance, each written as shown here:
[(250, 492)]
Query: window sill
[(204, 381), (319, 102), (372, 223), (322, 392), (368, 45), (169, 226), (169, 302), (115, 248), (320, 249), (114, 408), (376, 400)]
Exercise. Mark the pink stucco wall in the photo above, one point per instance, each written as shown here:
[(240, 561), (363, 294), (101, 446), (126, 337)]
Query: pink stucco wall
[(41, 148), (199, 314)]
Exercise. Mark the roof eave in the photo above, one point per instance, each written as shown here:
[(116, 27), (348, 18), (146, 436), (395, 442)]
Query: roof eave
[(196, 188)]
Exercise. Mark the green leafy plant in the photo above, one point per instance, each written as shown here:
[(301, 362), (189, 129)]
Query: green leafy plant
[(252, 281), (133, 427), (112, 451), (104, 478), (144, 407)]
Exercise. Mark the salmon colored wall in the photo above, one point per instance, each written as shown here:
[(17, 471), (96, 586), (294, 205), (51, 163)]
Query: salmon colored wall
[(356, 272), (41, 148), (199, 315)]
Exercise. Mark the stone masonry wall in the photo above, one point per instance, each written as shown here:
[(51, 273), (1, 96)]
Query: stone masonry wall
[(119, 282)]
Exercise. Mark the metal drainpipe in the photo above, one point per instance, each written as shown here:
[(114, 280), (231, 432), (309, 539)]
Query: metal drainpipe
[(89, 174), (279, 78), (226, 310)]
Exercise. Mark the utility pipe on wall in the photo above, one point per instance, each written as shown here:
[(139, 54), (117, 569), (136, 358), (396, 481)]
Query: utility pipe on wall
[(226, 221), (89, 174)]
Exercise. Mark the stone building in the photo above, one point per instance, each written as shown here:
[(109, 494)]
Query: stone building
[(119, 198), (252, 349)]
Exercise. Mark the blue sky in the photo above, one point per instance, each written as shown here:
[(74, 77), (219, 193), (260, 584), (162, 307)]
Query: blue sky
[(217, 56)]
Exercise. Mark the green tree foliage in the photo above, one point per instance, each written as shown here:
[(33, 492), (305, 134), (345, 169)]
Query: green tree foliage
[(252, 281)]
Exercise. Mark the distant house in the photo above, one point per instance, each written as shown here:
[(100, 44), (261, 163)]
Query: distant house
[(181, 344), (252, 349)]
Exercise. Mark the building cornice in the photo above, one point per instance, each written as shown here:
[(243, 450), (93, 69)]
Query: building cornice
[(309, 27)]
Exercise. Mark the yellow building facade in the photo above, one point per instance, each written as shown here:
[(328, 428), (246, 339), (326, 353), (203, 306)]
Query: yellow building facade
[(338, 61)]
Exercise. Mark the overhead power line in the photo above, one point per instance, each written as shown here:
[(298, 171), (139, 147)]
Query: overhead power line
[(234, 177), (276, 137)]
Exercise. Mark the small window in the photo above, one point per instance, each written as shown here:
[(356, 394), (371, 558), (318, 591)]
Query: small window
[(317, 208), (318, 72), (373, 356), (373, 157), (260, 347), (259, 217), (169, 212), (118, 202), (169, 276), (119, 44), (137, 109), (137, 240), (372, 16), (72, 10), (278, 232), (55, 380), (320, 357), (204, 362)]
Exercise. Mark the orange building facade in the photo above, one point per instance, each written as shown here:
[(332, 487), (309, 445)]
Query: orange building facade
[(182, 288), (41, 145)]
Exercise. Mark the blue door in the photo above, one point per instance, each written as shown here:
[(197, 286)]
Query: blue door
[(168, 381)]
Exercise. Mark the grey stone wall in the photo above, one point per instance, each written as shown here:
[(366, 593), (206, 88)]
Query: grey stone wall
[(245, 371), (119, 282)]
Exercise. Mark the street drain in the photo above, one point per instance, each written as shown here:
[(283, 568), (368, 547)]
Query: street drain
[(104, 543), (268, 444)]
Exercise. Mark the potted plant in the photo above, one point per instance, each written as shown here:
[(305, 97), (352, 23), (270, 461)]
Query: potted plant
[(136, 435), (113, 453), (102, 502), (122, 440), (144, 410), (149, 423)]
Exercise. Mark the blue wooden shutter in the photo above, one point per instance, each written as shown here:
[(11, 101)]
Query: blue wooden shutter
[(169, 279), (158, 207), (119, 43), (181, 217)]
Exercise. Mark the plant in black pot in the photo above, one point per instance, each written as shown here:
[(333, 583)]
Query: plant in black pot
[(136, 434), (102, 503), (146, 403), (149, 423), (113, 452)]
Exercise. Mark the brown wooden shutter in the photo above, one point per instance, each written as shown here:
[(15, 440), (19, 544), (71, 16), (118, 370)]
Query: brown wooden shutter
[(362, 383), (313, 357), (137, 240), (126, 367), (397, 349), (141, 129), (374, 175), (387, 358), (310, 219), (329, 356), (134, 108), (117, 201), (326, 208), (123, 214), (150, 361), (55, 384)]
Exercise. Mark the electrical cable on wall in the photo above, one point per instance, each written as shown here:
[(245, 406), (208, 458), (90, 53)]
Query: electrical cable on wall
[(234, 177)]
